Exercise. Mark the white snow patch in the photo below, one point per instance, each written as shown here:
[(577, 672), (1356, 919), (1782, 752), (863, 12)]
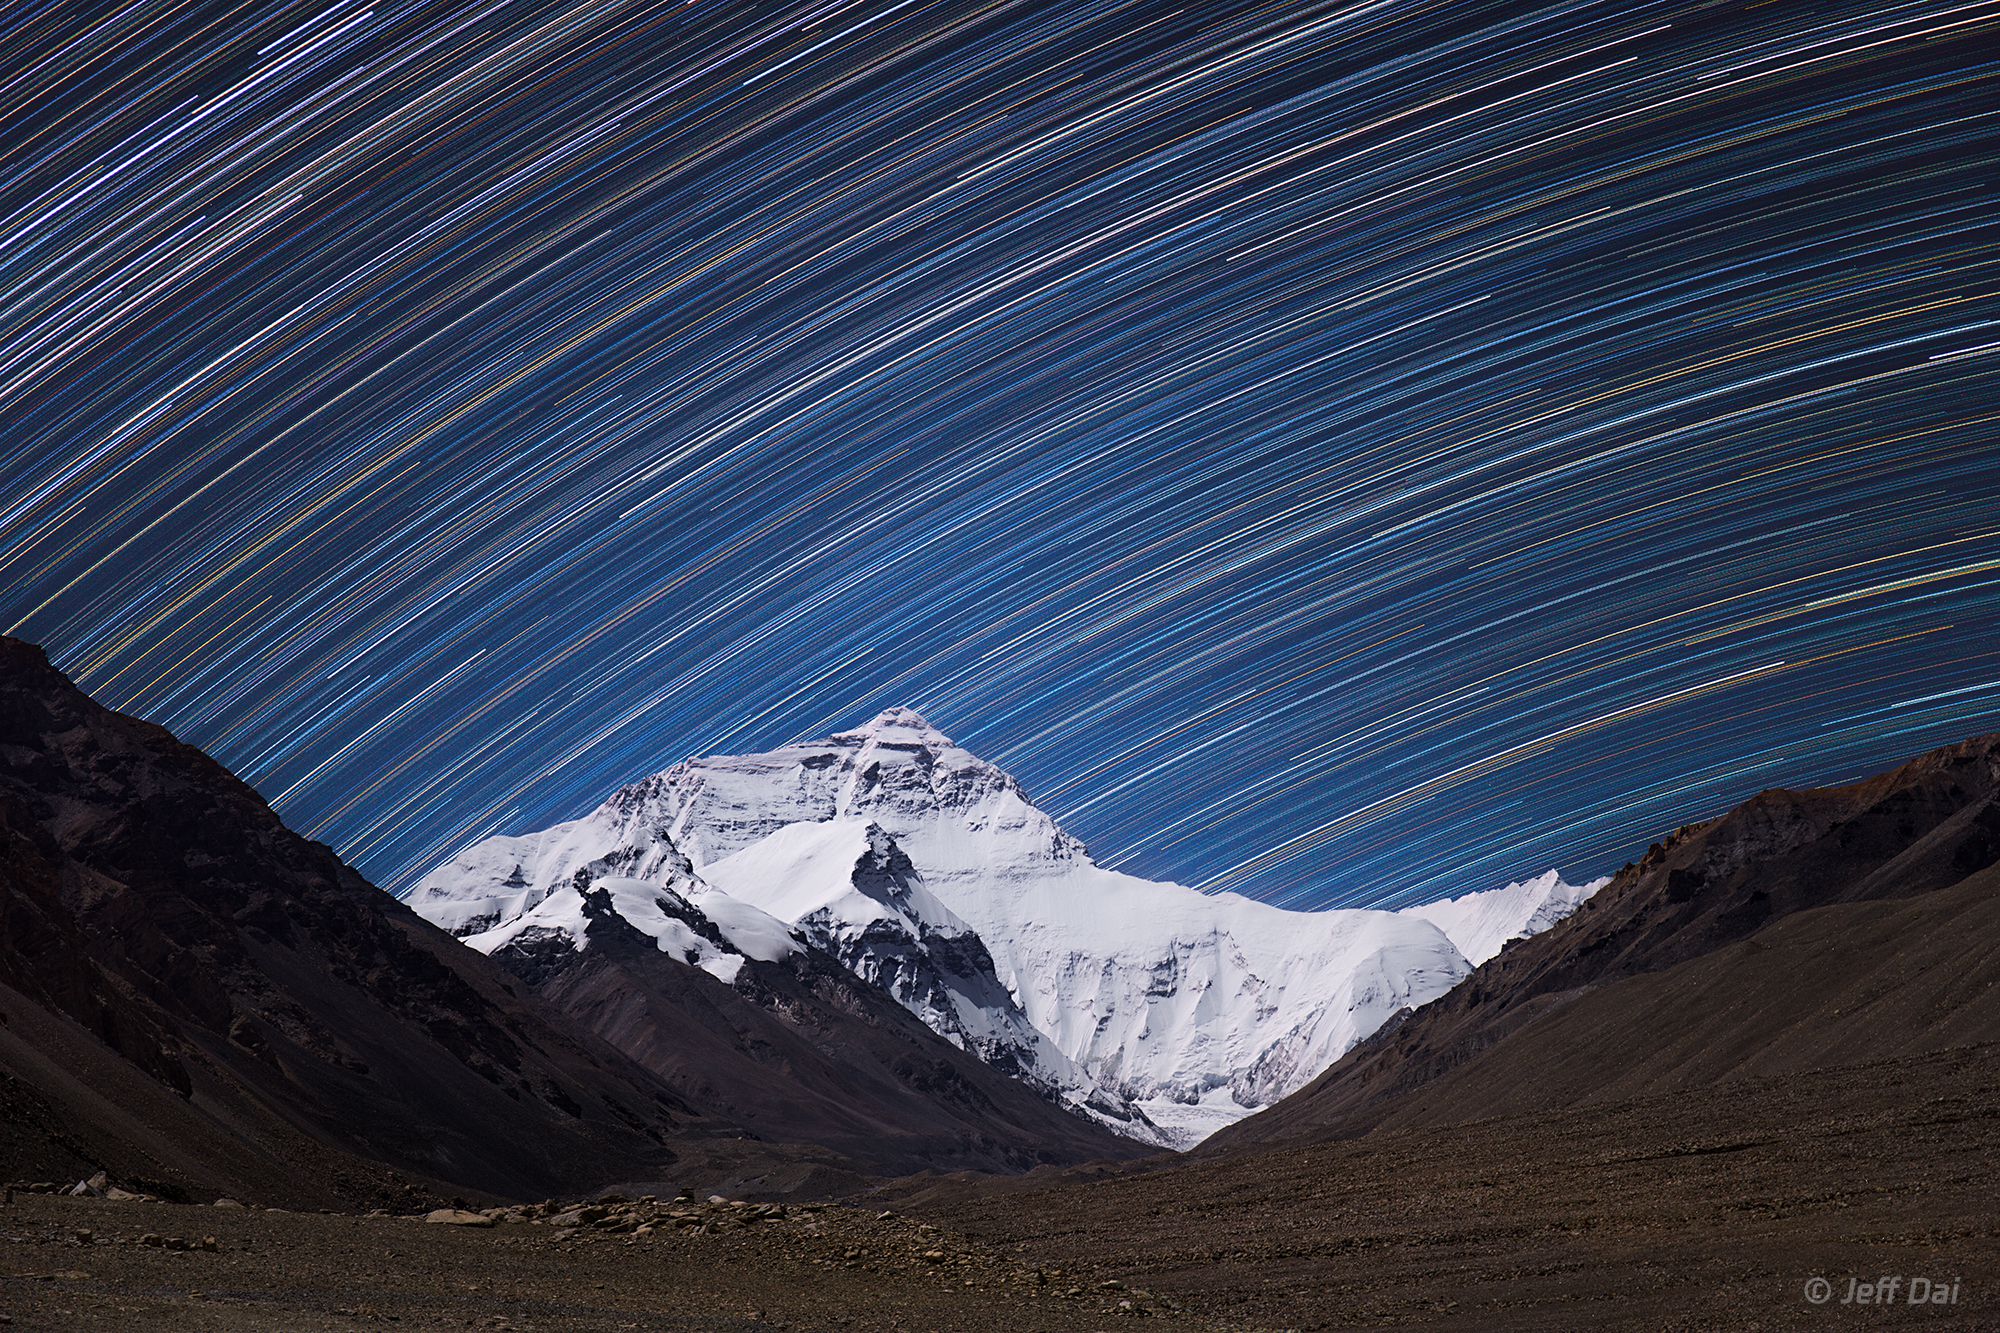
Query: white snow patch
[(1481, 924)]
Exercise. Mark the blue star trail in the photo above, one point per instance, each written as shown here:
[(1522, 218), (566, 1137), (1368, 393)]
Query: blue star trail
[(1346, 453)]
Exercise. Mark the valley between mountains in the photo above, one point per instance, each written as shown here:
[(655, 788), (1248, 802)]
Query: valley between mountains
[(852, 1035)]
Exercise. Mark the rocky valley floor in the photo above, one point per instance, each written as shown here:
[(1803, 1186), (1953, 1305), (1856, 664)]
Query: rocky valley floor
[(97, 1264), (1702, 1211)]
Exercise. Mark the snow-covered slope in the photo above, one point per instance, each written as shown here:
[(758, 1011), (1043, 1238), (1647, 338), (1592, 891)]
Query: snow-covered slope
[(496, 881), (704, 928), (928, 871), (1481, 924), (848, 888)]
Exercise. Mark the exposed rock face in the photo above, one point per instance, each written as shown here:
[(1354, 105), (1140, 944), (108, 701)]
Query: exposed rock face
[(1802, 929), (848, 887)]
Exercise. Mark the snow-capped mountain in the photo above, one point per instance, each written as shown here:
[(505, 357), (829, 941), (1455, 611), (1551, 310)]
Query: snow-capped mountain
[(1481, 924), (1198, 1007), (494, 882), (929, 872), (843, 886)]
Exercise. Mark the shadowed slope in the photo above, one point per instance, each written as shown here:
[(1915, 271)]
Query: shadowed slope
[(197, 997)]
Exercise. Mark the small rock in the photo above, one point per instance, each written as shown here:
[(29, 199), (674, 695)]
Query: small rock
[(458, 1217), (84, 1237), (225, 1203)]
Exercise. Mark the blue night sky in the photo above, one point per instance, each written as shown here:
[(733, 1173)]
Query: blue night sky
[(1346, 452)]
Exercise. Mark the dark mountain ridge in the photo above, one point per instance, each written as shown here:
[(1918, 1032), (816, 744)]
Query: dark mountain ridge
[(154, 909), (1802, 929)]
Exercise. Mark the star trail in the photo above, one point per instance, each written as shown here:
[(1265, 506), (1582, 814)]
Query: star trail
[(1346, 453)]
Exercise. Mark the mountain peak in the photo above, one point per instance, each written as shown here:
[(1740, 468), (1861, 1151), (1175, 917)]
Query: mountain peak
[(903, 724)]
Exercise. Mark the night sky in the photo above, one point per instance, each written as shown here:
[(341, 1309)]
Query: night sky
[(1347, 453)]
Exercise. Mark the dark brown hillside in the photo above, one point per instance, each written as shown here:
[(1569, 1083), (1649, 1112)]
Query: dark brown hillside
[(196, 997), (1804, 929)]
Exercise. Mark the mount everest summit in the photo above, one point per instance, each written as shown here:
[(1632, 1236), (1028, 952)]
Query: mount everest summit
[(1164, 1012)]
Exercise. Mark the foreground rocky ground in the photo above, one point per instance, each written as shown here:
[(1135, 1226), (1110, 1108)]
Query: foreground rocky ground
[(1701, 1211), (89, 1263)]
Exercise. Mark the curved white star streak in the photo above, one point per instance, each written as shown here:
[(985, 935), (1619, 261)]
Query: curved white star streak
[(1347, 452)]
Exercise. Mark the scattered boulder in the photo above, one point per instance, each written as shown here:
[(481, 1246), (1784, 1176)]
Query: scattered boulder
[(181, 1243), (458, 1217), (92, 1188)]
